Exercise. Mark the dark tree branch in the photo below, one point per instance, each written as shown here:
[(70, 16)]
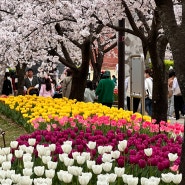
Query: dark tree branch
[(110, 47)]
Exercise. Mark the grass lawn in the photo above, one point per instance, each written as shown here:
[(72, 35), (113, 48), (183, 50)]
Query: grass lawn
[(12, 130)]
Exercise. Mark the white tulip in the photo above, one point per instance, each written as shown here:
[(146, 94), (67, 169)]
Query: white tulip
[(167, 178), (41, 150), (27, 171), (13, 144), (108, 148), (25, 180), (9, 173), (148, 152), (101, 150), (122, 145), (115, 154), (106, 157), (29, 149), (5, 151), (18, 153), (61, 173), (177, 178), (62, 156), (64, 176), (68, 161), (22, 147), (15, 178), (31, 141), (91, 145), (75, 170), (6, 165), (67, 178), (39, 170), (68, 143), (2, 174), (103, 177), (172, 157), (47, 151), (97, 169), (119, 171), (9, 157), (75, 154), (48, 181), (84, 179), (102, 183), (90, 163), (28, 164), (6, 181), (66, 148), (46, 159), (2, 158), (155, 179), (52, 147), (107, 166), (112, 177), (87, 155), (80, 160), (52, 165), (132, 180), (50, 173), (27, 157), (126, 178)]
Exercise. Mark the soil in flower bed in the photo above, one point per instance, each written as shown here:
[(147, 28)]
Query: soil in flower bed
[(11, 129)]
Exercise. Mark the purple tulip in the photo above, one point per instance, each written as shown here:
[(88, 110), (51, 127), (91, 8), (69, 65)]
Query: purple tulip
[(142, 163)]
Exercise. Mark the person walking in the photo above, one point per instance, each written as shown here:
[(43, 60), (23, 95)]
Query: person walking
[(105, 90), (148, 91), (178, 100), (7, 86), (66, 83)]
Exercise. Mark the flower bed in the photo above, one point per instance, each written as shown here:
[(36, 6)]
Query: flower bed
[(85, 143)]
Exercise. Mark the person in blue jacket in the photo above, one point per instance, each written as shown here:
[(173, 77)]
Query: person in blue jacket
[(105, 90)]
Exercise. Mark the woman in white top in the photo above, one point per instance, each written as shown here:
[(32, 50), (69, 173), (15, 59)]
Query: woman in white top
[(47, 89)]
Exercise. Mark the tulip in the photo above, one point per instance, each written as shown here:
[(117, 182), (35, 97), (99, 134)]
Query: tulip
[(84, 179), (9, 157), (27, 157), (80, 160), (172, 157), (68, 143), (126, 178), (64, 176), (25, 180), (6, 181), (62, 156), (28, 164), (106, 157), (97, 169), (122, 145), (2, 174), (103, 177), (18, 153), (148, 152), (177, 178), (27, 172), (102, 183), (6, 165), (52, 147), (15, 178), (22, 147), (9, 173), (119, 171), (50, 173), (68, 161), (75, 170), (91, 145), (90, 164), (5, 151), (30, 149), (2, 158), (107, 166), (39, 170), (115, 154), (52, 165), (75, 154), (101, 150), (167, 178), (13, 144), (86, 155), (41, 150), (46, 159), (108, 148), (31, 141), (112, 177), (66, 148)]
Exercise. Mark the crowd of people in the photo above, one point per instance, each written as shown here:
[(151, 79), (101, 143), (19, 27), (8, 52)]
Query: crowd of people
[(102, 92)]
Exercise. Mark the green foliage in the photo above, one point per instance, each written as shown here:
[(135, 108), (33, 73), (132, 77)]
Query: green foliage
[(168, 63)]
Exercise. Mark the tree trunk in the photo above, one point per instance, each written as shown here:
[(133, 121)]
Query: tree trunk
[(21, 72), (160, 91), (80, 75)]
